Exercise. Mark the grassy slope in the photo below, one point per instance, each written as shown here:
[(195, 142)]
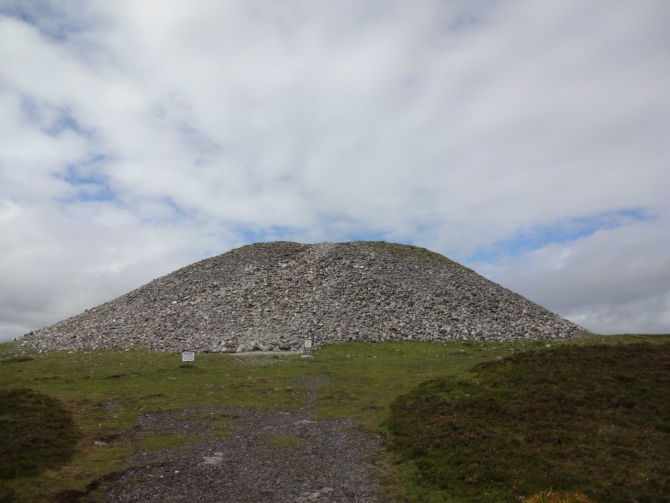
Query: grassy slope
[(105, 391), (594, 419)]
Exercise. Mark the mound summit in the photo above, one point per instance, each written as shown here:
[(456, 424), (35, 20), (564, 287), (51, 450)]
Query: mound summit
[(273, 296)]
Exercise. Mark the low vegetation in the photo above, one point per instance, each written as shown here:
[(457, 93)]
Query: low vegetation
[(162, 442), (37, 433), (102, 394), (558, 497), (594, 419)]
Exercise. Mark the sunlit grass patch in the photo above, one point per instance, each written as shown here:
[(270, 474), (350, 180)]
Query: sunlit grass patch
[(164, 441), (558, 497), (221, 433)]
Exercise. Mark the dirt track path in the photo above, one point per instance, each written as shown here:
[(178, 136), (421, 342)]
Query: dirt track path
[(325, 461)]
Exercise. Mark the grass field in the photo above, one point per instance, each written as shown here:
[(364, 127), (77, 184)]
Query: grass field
[(100, 395), (592, 419)]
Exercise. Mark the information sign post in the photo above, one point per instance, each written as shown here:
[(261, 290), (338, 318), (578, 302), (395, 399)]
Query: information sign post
[(188, 356)]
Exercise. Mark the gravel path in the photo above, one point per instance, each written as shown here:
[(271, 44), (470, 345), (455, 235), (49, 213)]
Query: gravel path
[(325, 461)]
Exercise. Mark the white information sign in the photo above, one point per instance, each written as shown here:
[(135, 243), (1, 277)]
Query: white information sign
[(308, 343), (188, 356)]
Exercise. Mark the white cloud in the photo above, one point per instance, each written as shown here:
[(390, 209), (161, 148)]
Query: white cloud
[(142, 135), (614, 281)]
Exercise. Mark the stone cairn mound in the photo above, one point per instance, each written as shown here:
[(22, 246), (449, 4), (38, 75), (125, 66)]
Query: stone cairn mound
[(274, 296)]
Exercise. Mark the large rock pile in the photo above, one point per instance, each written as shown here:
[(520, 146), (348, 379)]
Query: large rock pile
[(273, 296)]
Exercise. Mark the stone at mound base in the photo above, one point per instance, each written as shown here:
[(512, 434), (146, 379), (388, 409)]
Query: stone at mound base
[(273, 296)]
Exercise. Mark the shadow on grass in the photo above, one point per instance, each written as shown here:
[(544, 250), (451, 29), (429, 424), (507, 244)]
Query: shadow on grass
[(594, 419), (36, 433), (16, 359)]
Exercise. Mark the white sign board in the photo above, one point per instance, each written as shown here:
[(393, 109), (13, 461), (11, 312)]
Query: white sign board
[(188, 356), (308, 343)]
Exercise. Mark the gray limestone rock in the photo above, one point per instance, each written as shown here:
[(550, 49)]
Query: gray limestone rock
[(273, 296)]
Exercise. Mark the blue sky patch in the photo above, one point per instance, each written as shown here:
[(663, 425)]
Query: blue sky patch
[(63, 123), (49, 17), (175, 214), (178, 212), (91, 184), (41, 115), (559, 232)]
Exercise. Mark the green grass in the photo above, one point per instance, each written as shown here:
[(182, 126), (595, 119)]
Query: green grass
[(37, 433), (16, 359), (152, 443), (105, 392), (407, 250), (558, 497), (594, 419), (285, 441)]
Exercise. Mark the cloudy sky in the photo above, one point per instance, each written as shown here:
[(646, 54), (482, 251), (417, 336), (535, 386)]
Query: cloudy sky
[(527, 140)]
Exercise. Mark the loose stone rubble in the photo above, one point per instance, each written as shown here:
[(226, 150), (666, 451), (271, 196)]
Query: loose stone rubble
[(273, 296), (331, 460)]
